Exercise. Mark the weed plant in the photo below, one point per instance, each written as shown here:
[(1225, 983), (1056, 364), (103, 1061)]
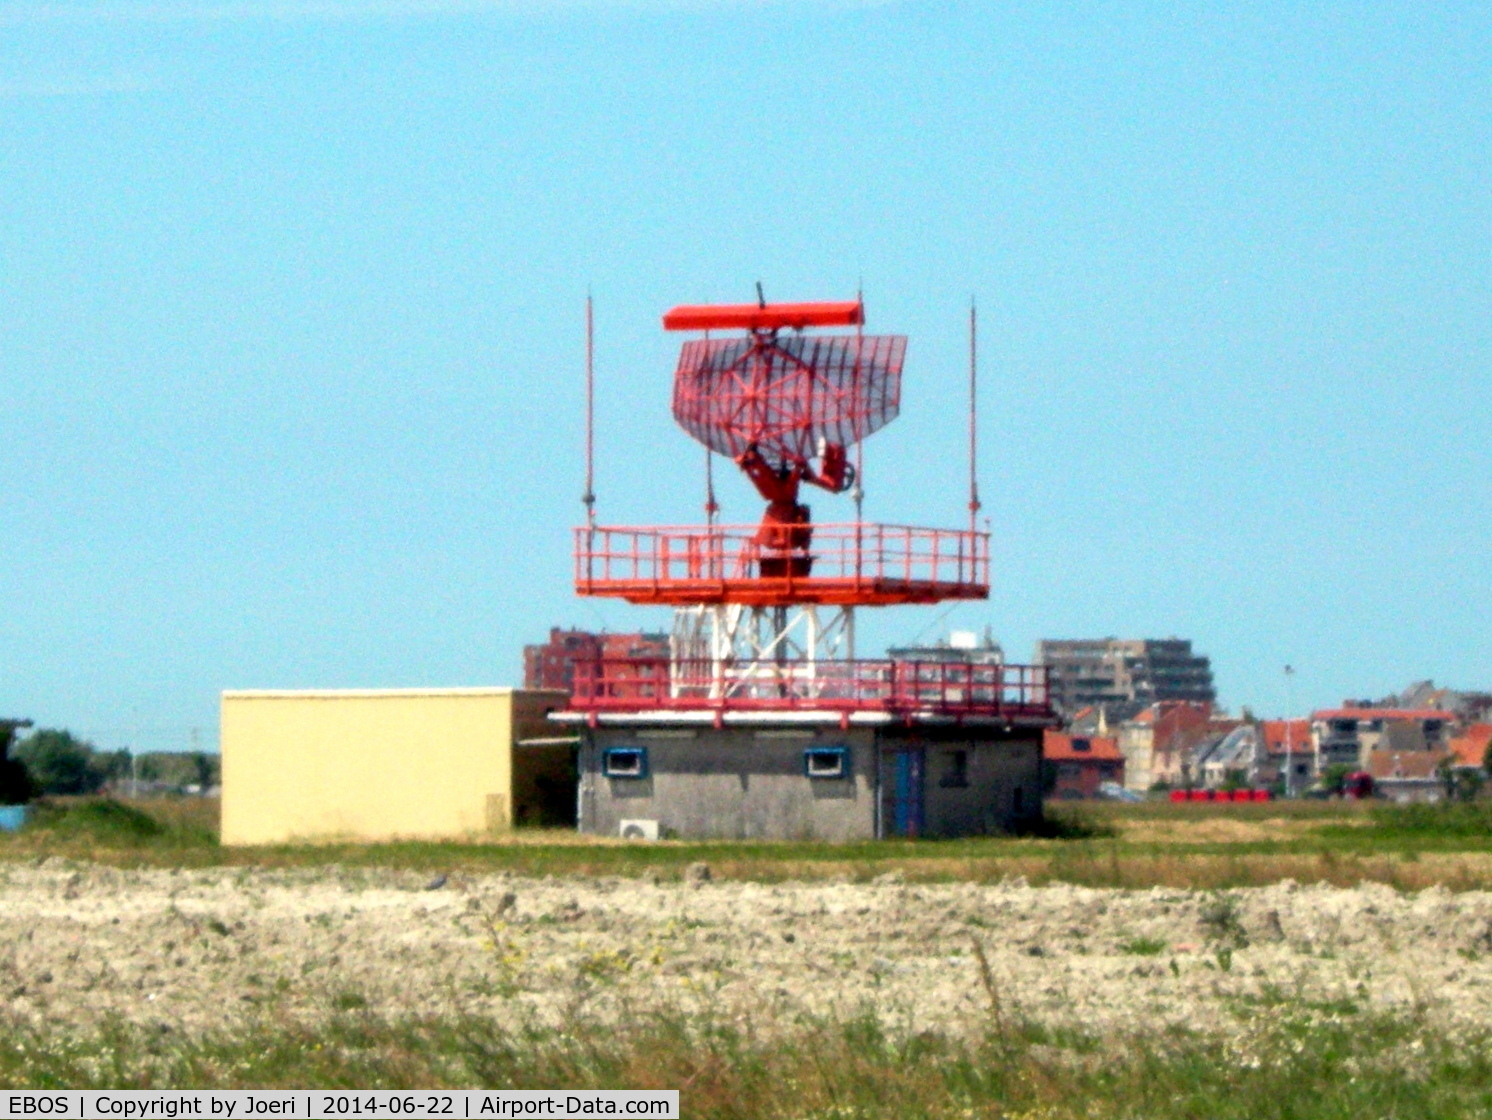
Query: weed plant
[(106, 824), (1144, 946), (1301, 1065)]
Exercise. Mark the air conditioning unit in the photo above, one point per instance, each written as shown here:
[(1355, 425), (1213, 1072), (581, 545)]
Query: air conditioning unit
[(639, 830)]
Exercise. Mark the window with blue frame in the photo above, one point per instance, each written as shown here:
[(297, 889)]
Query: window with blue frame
[(827, 762), (625, 762)]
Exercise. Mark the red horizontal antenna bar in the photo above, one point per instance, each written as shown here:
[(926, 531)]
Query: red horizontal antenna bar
[(751, 317)]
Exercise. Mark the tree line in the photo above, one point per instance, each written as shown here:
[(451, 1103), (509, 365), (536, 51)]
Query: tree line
[(55, 762)]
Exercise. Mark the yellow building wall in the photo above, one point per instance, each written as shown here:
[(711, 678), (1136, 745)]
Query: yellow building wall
[(373, 765)]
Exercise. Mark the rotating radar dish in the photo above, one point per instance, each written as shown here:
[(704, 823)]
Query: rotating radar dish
[(785, 407)]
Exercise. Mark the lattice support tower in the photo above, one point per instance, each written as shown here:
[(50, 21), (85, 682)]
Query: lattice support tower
[(728, 652)]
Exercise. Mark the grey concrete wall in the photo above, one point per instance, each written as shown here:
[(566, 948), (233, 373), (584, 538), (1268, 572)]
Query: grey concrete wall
[(744, 783), (731, 783), (1002, 787), (999, 772)]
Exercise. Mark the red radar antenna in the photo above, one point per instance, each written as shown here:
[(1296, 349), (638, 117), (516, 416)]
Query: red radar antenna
[(785, 409), (764, 614)]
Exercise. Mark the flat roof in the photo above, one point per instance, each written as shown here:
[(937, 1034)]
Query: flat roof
[(706, 718)]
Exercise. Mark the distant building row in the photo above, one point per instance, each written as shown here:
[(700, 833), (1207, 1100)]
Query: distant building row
[(1408, 751)]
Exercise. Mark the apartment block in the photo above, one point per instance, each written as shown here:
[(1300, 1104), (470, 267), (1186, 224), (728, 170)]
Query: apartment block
[(637, 663), (1122, 676), (1347, 736)]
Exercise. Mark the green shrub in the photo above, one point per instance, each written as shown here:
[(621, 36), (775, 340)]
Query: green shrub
[(103, 820)]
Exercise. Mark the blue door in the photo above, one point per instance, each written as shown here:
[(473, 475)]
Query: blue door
[(906, 800)]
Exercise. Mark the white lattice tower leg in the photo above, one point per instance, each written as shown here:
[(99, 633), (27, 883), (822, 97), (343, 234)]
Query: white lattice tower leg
[(734, 652)]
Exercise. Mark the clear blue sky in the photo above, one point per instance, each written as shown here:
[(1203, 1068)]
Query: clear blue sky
[(291, 299)]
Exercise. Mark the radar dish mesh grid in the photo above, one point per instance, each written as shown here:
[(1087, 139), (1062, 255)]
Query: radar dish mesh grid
[(784, 395)]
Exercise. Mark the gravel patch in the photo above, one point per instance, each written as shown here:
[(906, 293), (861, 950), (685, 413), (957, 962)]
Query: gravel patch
[(193, 950)]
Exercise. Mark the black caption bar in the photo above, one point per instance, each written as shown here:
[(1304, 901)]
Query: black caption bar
[(243, 1104)]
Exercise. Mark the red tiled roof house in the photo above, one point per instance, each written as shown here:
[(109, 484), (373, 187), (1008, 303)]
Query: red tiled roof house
[(1079, 764)]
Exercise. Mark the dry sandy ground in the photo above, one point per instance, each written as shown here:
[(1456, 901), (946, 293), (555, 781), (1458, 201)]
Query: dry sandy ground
[(193, 949), (1223, 830)]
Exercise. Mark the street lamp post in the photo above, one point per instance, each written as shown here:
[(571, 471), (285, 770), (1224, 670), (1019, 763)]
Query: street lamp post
[(1289, 737)]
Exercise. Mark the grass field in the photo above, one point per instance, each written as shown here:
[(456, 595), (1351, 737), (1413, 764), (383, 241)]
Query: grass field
[(1292, 1043), (1199, 846), (1302, 1065)]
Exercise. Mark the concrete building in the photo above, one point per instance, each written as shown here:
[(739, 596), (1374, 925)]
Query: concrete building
[(763, 776), (963, 647), (1289, 757), (1413, 775), (1346, 736), (1158, 740), (1123, 676), (552, 665), (1467, 706), (377, 765)]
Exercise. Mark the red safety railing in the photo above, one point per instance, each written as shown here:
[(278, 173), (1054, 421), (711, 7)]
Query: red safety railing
[(840, 564), (636, 684)]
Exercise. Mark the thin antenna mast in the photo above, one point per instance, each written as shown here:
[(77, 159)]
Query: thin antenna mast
[(712, 507), (589, 497), (858, 493), (974, 505)]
